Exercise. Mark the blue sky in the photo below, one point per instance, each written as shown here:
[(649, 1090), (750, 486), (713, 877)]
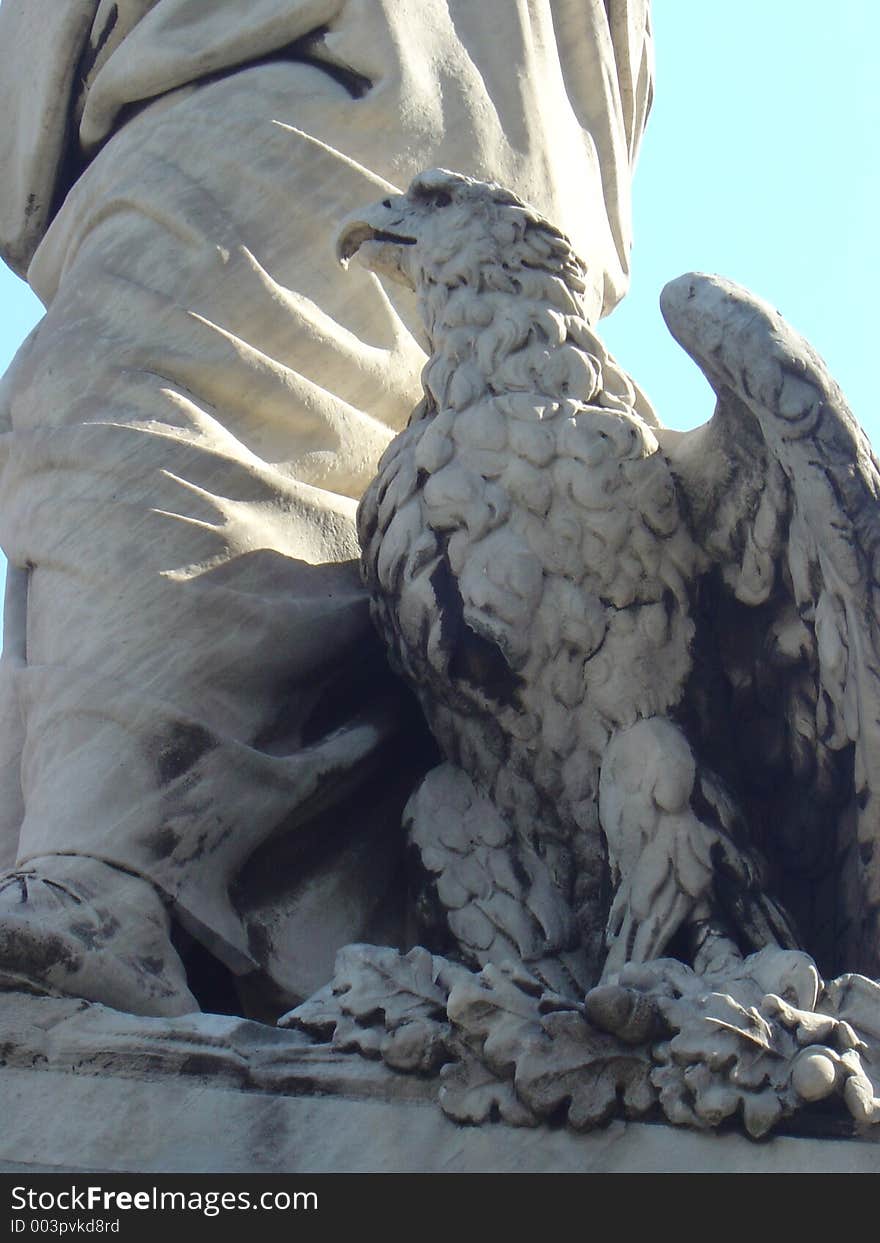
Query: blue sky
[(760, 162)]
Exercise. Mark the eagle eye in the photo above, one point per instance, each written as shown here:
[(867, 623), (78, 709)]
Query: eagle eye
[(434, 197)]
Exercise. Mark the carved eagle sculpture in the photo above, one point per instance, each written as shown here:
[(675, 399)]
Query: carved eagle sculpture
[(649, 658)]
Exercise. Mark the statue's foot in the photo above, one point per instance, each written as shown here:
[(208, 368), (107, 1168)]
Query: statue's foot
[(76, 926)]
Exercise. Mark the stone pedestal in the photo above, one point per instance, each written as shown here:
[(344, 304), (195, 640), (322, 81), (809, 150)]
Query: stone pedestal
[(84, 1089)]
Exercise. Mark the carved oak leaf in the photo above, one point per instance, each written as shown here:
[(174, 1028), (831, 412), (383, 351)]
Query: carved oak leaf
[(323, 1018), (760, 1042), (384, 1004), (584, 1073), (557, 1062), (854, 999), (694, 1095), (470, 1092), (497, 1015), (417, 1046), (376, 981), (726, 1058)]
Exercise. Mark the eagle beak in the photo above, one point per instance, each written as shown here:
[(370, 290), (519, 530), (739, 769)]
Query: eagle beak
[(376, 236), (352, 236)]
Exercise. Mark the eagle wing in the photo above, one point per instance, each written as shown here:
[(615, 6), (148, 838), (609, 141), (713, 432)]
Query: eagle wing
[(782, 493)]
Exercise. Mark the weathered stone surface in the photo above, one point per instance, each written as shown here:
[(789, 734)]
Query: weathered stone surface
[(57, 1121), (650, 660), (189, 670), (85, 1088)]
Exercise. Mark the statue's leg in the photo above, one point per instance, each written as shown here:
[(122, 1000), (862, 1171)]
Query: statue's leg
[(72, 924), (187, 440), (680, 855)]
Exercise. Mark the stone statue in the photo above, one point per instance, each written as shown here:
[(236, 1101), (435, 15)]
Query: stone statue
[(599, 615), (649, 659), (189, 669), (642, 871)]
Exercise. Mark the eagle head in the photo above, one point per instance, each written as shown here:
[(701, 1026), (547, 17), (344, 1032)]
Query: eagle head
[(447, 229)]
